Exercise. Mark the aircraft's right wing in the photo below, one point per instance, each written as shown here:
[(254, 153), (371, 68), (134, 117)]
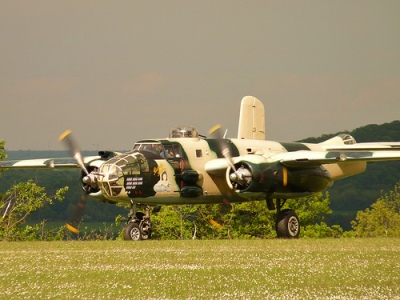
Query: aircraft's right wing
[(44, 163)]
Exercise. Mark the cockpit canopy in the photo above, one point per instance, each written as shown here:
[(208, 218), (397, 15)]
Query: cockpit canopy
[(154, 149), (347, 139), (183, 132)]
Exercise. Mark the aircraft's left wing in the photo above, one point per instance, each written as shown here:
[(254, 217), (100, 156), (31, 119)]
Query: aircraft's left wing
[(368, 152), (388, 146)]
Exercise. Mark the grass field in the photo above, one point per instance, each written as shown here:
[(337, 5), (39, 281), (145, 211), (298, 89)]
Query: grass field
[(220, 269)]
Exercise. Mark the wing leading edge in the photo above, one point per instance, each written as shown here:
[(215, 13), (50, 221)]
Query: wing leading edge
[(368, 152), (43, 163)]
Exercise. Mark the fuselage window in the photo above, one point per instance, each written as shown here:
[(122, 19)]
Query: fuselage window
[(199, 153)]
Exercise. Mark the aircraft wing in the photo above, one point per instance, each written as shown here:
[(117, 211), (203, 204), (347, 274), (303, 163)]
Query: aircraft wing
[(44, 163), (388, 146), (368, 152)]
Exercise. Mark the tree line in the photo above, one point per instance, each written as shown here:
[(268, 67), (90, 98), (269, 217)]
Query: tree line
[(250, 220)]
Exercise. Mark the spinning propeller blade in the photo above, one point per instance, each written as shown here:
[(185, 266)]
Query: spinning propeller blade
[(77, 217), (216, 130), (73, 148), (75, 151)]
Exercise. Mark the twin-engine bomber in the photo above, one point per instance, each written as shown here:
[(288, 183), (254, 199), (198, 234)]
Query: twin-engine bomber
[(188, 168)]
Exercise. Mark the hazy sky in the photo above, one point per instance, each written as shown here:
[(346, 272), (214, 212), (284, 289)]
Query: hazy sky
[(118, 71)]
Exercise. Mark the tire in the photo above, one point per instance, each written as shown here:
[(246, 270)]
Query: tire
[(145, 230), (132, 232), (287, 225)]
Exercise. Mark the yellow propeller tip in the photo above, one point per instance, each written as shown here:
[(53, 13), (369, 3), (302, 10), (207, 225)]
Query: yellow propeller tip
[(64, 134), (72, 228), (215, 224), (214, 128)]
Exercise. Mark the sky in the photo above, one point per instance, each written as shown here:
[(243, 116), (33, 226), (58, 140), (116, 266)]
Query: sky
[(115, 72)]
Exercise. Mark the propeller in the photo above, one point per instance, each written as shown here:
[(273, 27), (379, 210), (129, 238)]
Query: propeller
[(75, 151), (77, 217), (240, 177), (216, 130), (73, 148)]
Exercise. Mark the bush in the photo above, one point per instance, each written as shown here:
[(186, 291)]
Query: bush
[(382, 219)]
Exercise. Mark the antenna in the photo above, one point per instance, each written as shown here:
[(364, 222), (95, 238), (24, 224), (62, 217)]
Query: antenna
[(226, 131)]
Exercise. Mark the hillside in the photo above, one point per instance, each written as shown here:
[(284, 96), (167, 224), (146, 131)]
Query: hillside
[(358, 192)]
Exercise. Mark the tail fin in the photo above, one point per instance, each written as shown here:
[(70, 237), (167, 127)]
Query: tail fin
[(251, 119)]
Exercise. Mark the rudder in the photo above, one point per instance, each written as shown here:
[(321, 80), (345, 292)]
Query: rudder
[(251, 119)]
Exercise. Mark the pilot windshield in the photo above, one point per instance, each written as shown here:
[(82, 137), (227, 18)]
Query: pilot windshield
[(155, 148)]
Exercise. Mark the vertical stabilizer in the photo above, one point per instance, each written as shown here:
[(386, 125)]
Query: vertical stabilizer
[(251, 119)]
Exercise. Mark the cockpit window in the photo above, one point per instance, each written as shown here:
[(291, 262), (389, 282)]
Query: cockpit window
[(163, 149), (155, 148), (177, 150)]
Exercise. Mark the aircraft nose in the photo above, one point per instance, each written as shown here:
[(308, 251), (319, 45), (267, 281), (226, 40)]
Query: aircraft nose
[(114, 172), (111, 180)]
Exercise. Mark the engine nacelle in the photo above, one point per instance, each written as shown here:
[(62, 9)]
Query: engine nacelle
[(89, 182), (276, 178)]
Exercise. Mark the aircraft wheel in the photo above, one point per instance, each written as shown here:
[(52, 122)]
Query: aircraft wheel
[(287, 224), (132, 232), (146, 230)]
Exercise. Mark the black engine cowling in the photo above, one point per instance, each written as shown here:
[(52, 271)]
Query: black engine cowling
[(89, 182), (276, 178)]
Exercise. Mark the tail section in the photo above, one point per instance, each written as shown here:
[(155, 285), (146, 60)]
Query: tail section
[(251, 119)]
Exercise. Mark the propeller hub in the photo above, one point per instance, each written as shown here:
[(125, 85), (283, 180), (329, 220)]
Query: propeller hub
[(90, 179), (241, 177)]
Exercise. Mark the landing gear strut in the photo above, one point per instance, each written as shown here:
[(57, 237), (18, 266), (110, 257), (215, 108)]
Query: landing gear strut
[(287, 222), (138, 226)]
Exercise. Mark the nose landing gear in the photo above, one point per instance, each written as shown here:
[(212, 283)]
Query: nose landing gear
[(139, 225)]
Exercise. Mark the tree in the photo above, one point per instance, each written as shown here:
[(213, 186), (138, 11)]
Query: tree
[(253, 220), (382, 219), (18, 203), (172, 222), (3, 153), (246, 220), (311, 212)]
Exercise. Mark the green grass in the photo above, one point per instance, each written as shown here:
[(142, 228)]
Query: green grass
[(220, 269)]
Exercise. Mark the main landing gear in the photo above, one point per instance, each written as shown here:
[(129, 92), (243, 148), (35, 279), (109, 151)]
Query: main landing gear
[(138, 226), (287, 222)]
